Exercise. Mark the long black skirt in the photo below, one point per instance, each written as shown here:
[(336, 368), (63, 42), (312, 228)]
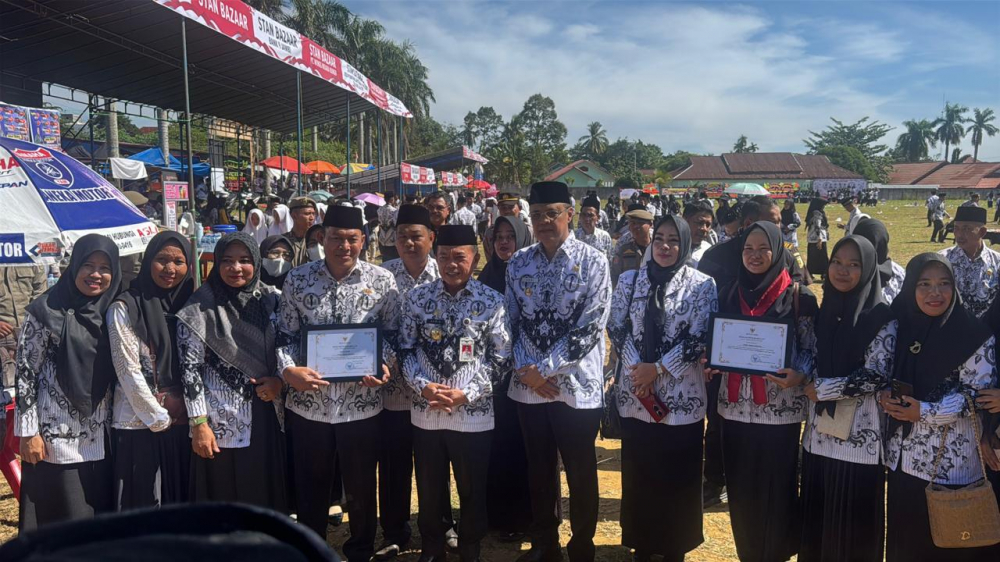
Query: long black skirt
[(151, 469), (908, 527), (508, 498), (761, 477), (843, 510), (52, 493), (661, 487), (816, 259), (255, 474)]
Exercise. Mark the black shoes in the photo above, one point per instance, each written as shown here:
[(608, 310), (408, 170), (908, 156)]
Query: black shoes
[(388, 551)]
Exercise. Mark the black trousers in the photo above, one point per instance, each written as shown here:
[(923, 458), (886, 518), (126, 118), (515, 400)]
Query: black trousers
[(395, 472), (469, 455), (554, 428), (388, 253), (314, 445), (929, 219), (715, 472), (939, 231)]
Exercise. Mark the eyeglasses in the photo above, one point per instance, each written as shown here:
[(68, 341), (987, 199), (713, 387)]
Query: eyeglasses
[(279, 255), (547, 216)]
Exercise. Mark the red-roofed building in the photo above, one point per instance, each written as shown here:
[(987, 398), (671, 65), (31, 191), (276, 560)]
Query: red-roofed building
[(968, 174), (582, 174), (777, 171)]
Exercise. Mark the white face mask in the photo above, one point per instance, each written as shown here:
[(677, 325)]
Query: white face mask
[(276, 268), (316, 253)]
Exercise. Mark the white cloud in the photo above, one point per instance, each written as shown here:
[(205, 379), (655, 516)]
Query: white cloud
[(684, 77)]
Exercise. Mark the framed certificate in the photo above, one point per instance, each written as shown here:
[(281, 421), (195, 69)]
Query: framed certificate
[(749, 346), (343, 352)]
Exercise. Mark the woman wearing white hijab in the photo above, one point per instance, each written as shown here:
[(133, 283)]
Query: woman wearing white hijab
[(256, 225), (282, 220)]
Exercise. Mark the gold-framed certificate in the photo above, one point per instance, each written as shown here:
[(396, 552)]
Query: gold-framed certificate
[(748, 345), (343, 352)]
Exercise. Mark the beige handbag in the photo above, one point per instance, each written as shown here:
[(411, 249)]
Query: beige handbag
[(969, 516)]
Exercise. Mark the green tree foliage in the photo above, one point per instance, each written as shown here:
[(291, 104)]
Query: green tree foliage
[(596, 140), (915, 143), (864, 136), (980, 126), (482, 129), (743, 145), (850, 158), (950, 129)]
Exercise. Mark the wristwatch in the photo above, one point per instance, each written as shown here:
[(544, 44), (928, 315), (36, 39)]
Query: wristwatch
[(198, 420), (660, 369)]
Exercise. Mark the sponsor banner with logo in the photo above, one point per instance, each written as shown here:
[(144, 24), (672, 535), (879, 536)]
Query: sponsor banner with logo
[(416, 175), (242, 23), (452, 179), (49, 200), (838, 188), (40, 126)]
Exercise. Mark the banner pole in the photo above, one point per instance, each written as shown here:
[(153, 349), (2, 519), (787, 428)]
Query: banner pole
[(190, 154), (298, 89), (348, 146)]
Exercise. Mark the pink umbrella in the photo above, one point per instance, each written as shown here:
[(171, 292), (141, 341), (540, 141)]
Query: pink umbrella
[(492, 191), (372, 198)]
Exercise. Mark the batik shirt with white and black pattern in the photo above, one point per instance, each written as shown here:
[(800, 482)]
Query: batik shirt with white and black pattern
[(43, 408), (387, 225), (312, 297), (556, 313), (895, 283), (599, 239), (396, 394), (861, 387), (977, 279), (690, 297), (434, 328), (946, 406)]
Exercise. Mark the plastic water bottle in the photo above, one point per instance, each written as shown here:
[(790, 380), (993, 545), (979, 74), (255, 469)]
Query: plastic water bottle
[(51, 279)]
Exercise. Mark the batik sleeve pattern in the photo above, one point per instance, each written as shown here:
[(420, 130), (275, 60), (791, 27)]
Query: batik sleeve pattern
[(868, 378), (134, 369), (31, 354), (192, 357)]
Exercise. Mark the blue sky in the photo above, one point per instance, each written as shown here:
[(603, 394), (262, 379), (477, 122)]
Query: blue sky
[(695, 76)]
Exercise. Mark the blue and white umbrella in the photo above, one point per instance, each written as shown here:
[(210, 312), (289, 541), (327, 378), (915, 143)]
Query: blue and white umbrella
[(48, 201)]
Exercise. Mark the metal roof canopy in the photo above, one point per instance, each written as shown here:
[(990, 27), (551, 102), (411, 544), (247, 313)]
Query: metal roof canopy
[(443, 160), (131, 50)]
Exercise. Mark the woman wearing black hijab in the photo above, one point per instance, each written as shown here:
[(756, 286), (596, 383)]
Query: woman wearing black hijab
[(817, 234), (843, 481), (891, 274), (276, 259), (152, 448), (762, 415), (64, 377), (508, 503), (226, 341), (658, 325), (948, 356)]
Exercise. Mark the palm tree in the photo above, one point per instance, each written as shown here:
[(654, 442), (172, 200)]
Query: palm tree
[(914, 144), (596, 139), (980, 124), (949, 127)]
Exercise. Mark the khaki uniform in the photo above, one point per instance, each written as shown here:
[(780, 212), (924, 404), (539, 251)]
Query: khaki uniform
[(18, 287), (627, 257)]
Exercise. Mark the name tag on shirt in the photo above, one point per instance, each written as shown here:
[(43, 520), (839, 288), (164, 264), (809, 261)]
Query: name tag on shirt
[(466, 350)]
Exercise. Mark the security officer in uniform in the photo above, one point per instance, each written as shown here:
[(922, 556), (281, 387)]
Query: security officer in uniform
[(628, 252)]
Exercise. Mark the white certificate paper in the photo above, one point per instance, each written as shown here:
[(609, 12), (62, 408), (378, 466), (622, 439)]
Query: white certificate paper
[(343, 353), (744, 345)]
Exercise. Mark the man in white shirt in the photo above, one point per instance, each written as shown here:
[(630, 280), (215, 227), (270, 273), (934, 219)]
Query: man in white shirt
[(558, 297), (973, 201), (932, 202), (387, 227), (937, 215), (464, 215), (589, 232), (851, 206)]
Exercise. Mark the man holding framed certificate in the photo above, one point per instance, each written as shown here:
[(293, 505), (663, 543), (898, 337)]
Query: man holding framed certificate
[(332, 319), (452, 344)]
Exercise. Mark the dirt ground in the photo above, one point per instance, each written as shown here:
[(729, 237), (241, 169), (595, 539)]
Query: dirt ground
[(718, 545)]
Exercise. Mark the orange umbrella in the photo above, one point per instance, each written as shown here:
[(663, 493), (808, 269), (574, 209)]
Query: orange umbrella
[(286, 163), (323, 167)]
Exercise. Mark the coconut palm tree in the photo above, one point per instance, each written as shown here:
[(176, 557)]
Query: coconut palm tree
[(914, 144), (949, 127), (596, 139), (981, 124)]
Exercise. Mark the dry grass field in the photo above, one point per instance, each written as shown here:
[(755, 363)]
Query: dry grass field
[(906, 221)]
